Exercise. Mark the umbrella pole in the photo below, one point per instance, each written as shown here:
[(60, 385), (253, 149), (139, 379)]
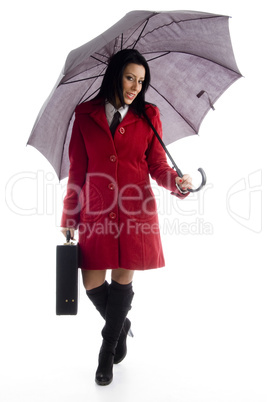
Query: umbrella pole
[(178, 171)]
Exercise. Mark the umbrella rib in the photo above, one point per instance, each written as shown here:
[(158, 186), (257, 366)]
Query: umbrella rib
[(75, 74), (181, 21), (88, 97), (137, 40), (82, 79), (93, 57), (191, 54), (63, 148), (205, 58), (166, 100), (102, 55), (157, 57), (178, 22), (166, 25), (89, 89), (133, 33)]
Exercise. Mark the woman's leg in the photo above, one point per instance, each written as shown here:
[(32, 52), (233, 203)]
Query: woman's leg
[(93, 278), (122, 276), (97, 292), (123, 279), (118, 304), (96, 289), (113, 302)]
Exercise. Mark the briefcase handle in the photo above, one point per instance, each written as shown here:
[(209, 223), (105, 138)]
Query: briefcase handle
[(68, 239), (68, 236)]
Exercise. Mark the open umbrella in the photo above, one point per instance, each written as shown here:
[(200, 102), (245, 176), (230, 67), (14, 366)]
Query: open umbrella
[(191, 61)]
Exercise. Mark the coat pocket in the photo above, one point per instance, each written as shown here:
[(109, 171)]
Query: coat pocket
[(92, 203), (137, 201)]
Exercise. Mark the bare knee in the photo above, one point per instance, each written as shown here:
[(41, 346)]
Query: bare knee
[(93, 279), (122, 276)]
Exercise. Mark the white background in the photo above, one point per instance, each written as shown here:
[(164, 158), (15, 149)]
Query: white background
[(200, 323)]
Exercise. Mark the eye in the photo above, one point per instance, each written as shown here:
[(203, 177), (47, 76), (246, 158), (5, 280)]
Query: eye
[(129, 77), (141, 82)]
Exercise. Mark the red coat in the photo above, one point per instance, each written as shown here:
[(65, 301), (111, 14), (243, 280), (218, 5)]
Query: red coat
[(109, 197)]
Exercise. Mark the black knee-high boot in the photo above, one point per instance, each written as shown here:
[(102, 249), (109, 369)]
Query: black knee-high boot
[(118, 305), (99, 297)]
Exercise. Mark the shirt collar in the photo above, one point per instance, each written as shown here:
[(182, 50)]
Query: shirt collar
[(111, 110)]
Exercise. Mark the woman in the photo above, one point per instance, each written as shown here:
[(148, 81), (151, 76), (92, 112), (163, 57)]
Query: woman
[(109, 198)]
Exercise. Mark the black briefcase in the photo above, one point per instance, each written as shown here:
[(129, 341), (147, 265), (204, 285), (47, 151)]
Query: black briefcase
[(67, 257)]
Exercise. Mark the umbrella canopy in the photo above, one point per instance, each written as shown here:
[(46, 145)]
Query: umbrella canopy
[(191, 60)]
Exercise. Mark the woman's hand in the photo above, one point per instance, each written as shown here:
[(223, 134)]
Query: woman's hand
[(64, 232), (184, 183)]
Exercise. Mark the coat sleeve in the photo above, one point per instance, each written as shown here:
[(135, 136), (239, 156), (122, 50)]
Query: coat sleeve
[(158, 166), (77, 175)]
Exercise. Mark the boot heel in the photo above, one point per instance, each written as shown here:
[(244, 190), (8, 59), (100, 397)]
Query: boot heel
[(121, 349)]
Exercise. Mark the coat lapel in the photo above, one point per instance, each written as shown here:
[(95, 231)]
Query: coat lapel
[(96, 109)]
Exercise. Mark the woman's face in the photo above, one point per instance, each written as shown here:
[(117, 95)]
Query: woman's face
[(132, 81)]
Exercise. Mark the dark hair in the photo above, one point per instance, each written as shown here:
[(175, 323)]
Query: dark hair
[(112, 81)]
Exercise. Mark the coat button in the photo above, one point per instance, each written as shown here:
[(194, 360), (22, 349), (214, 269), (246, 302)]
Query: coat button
[(111, 186), (113, 158), (112, 215), (122, 130)]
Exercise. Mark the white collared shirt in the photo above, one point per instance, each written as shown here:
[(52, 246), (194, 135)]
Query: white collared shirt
[(111, 110)]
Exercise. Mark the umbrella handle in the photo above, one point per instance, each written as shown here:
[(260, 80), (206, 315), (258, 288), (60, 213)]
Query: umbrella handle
[(178, 171), (204, 179)]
